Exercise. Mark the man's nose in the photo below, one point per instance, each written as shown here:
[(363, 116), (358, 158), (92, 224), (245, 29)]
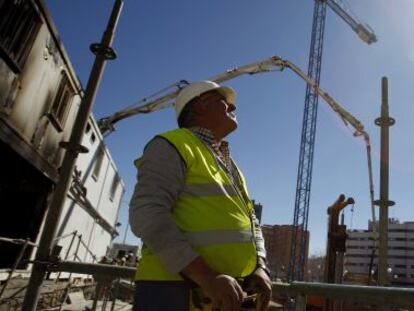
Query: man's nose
[(230, 107)]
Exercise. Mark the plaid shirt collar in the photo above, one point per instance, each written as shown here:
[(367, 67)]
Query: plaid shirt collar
[(221, 148)]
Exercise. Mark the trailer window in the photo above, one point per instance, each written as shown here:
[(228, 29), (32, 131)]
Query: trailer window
[(98, 163), (62, 101), (19, 25), (114, 186)]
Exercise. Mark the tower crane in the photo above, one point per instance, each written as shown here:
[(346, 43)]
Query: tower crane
[(304, 177)]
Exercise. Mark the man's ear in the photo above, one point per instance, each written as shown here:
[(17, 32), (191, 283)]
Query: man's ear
[(200, 108)]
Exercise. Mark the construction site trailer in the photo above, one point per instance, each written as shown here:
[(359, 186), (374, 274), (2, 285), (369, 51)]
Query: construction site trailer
[(39, 97)]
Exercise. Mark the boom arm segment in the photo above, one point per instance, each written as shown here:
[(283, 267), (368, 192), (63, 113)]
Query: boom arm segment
[(106, 124), (274, 63), (363, 31)]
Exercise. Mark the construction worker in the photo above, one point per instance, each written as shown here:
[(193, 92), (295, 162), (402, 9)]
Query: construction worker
[(191, 209)]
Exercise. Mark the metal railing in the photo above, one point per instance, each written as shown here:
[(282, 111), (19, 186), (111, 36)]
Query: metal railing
[(387, 298), (105, 275), (24, 243)]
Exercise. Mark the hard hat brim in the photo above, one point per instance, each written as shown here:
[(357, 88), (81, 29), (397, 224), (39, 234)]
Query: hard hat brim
[(228, 93)]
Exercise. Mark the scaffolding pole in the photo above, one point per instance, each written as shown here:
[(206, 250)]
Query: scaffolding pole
[(103, 52), (384, 122)]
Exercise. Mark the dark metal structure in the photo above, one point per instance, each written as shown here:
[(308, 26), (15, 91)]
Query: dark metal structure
[(304, 177), (335, 246), (385, 122)]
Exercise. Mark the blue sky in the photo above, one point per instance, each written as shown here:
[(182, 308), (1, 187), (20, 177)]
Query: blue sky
[(161, 42)]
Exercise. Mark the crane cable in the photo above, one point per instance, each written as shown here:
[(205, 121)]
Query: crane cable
[(371, 193)]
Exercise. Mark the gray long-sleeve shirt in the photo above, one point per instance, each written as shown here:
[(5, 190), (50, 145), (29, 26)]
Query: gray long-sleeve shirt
[(160, 178)]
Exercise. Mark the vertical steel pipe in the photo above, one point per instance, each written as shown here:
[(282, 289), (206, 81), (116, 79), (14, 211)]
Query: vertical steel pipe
[(300, 304), (74, 233), (384, 122), (103, 52)]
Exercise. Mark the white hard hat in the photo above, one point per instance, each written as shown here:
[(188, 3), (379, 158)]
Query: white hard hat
[(195, 89)]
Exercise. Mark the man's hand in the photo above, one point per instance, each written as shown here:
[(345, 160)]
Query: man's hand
[(224, 291), (259, 282)]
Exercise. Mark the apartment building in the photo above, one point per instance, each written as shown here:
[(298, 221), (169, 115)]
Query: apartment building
[(359, 251), (278, 243)]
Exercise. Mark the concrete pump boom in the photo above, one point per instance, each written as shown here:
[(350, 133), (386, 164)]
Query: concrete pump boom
[(275, 63)]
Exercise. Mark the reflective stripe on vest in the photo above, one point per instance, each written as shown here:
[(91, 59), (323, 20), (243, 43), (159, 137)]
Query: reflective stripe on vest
[(202, 238), (213, 216), (207, 190)]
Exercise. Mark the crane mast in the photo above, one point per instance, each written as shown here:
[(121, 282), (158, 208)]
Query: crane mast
[(299, 237)]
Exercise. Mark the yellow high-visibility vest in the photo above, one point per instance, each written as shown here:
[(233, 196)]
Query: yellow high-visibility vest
[(214, 215)]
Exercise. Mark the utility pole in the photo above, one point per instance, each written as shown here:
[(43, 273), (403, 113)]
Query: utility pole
[(103, 52), (384, 122)]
